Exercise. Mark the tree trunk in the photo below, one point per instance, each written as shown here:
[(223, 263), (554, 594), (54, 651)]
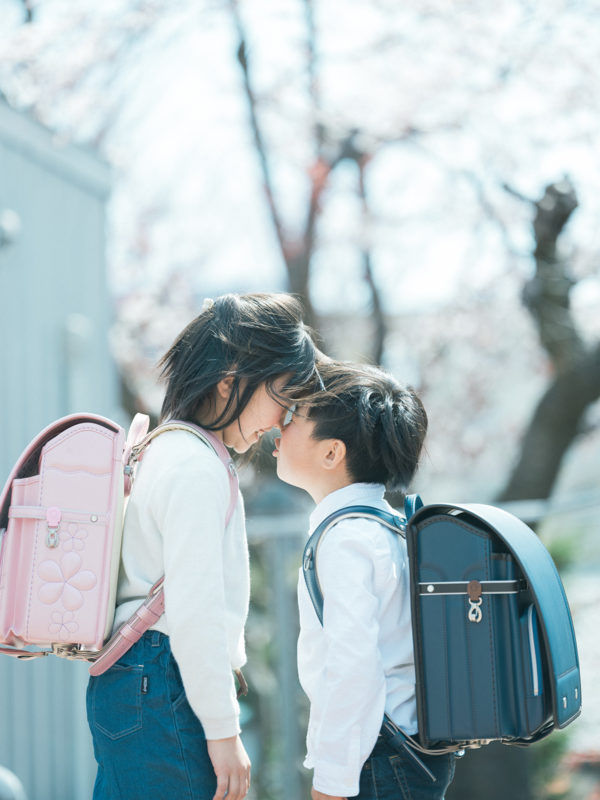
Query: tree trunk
[(556, 422), (575, 385)]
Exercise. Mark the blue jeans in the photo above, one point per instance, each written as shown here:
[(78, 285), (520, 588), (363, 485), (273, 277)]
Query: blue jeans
[(147, 740), (391, 775)]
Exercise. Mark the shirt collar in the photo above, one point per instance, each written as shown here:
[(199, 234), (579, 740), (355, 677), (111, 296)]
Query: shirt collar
[(356, 494)]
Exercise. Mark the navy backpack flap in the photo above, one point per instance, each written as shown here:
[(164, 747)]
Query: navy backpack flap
[(495, 650)]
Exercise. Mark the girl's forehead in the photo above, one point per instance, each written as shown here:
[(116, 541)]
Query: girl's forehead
[(284, 379)]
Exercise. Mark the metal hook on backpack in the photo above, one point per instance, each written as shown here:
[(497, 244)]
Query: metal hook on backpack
[(474, 590)]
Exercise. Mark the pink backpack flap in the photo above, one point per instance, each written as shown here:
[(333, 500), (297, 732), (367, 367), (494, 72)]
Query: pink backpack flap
[(61, 522)]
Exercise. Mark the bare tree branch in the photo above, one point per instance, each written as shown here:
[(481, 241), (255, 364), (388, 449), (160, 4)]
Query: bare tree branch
[(546, 295), (313, 79), (330, 150), (470, 176), (27, 5), (296, 254), (379, 320), (242, 57)]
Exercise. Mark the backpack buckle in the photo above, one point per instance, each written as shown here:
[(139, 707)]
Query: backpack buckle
[(308, 559), (53, 518), (474, 590)]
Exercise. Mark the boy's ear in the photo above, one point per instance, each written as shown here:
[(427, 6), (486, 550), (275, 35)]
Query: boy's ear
[(335, 454), (224, 387)]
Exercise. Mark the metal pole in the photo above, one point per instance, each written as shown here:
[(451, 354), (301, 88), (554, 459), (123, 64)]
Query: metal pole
[(286, 632)]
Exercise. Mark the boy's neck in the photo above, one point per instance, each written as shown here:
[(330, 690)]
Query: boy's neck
[(332, 484)]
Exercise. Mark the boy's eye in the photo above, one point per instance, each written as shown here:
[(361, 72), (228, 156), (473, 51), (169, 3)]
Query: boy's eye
[(288, 416)]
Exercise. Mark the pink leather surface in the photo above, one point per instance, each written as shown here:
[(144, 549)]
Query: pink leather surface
[(60, 593)]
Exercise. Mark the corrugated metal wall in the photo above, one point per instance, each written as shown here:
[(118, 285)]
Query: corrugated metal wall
[(54, 359)]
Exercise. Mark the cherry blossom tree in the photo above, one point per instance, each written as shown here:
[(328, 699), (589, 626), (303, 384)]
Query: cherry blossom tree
[(401, 167)]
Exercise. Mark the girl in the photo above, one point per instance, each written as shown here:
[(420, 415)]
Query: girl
[(165, 718), (365, 432)]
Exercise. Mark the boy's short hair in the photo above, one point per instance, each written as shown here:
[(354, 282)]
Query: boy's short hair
[(382, 424)]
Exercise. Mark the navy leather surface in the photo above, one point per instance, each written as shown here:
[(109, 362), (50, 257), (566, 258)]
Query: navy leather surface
[(545, 587)]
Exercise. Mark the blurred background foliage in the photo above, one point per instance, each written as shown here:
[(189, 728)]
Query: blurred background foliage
[(425, 178)]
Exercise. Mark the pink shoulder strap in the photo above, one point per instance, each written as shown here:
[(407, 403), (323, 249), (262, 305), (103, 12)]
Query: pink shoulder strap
[(137, 431), (225, 458), (134, 452)]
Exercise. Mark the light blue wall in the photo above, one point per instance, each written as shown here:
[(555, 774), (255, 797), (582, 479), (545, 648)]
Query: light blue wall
[(54, 359)]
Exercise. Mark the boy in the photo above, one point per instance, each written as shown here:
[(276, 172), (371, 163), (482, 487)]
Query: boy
[(344, 447)]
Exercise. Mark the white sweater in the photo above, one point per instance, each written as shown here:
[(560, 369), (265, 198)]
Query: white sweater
[(360, 662), (175, 525)]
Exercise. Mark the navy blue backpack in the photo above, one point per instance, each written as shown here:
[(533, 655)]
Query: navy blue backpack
[(495, 649)]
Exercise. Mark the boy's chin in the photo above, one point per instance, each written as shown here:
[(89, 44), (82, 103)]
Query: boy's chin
[(290, 479), (281, 474)]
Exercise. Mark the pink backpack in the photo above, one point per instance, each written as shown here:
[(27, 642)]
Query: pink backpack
[(61, 522)]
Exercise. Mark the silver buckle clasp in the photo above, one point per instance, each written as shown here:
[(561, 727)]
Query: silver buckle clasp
[(53, 518)]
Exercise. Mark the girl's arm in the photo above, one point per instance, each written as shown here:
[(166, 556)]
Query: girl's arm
[(189, 504)]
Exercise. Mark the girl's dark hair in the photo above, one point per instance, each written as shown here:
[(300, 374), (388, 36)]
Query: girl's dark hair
[(382, 424), (253, 337)]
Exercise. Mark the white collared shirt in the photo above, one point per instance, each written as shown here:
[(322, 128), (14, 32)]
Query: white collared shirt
[(360, 663)]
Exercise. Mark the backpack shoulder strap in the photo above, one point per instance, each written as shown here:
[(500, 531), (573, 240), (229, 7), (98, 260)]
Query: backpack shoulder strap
[(412, 503), (207, 437), (137, 431), (394, 522)]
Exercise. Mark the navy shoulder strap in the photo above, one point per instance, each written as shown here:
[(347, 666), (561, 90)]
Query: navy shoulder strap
[(395, 522), (412, 503)]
